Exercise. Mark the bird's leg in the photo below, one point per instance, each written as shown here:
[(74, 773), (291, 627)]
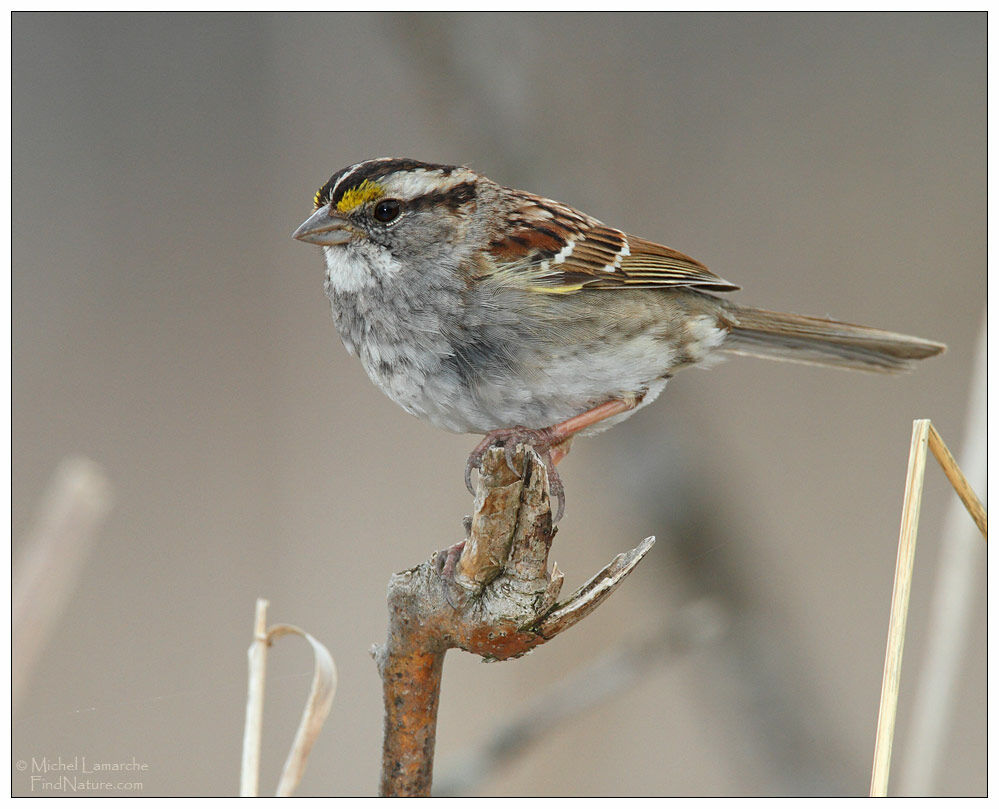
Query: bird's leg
[(565, 430), (552, 443)]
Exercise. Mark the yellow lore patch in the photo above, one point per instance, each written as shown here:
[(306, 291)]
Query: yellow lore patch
[(357, 196)]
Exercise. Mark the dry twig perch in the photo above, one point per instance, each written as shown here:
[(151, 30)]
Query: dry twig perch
[(500, 603)]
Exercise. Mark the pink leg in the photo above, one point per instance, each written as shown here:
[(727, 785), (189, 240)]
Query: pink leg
[(567, 429)]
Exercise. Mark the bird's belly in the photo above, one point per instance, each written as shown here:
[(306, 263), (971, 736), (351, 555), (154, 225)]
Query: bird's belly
[(556, 384), (537, 393), (419, 381), (479, 378)]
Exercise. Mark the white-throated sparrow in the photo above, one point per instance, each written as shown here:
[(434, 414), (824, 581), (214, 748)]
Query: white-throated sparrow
[(483, 309)]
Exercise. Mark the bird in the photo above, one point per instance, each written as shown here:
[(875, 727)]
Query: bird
[(488, 310)]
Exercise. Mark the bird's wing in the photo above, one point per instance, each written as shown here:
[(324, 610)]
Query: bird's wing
[(553, 248)]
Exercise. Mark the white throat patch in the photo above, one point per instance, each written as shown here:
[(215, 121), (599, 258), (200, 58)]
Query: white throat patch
[(348, 271)]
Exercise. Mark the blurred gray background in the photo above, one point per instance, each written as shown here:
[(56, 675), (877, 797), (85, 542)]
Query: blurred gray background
[(167, 326)]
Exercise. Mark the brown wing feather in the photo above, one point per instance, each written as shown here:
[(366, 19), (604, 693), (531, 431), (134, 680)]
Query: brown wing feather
[(561, 250), (607, 258)]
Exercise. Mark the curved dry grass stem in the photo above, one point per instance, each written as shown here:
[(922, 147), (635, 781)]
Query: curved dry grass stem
[(317, 706)]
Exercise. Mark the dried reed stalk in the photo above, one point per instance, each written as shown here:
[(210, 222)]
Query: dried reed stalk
[(959, 482), (957, 590), (254, 727), (923, 435)]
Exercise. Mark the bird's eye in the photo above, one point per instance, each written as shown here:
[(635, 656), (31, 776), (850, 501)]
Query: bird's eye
[(387, 210)]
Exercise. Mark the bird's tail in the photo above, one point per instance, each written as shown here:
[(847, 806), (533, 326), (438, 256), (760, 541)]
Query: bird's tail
[(818, 341)]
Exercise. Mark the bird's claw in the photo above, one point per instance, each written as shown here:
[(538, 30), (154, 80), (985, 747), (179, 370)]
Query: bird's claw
[(473, 463), (447, 566), (509, 448), (540, 440)]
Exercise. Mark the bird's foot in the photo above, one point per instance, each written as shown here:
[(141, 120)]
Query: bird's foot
[(549, 447), (447, 561)]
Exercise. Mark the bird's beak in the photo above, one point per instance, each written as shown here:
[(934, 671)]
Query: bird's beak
[(322, 228)]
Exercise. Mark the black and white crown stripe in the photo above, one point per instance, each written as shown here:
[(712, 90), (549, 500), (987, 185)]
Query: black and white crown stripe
[(403, 177)]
